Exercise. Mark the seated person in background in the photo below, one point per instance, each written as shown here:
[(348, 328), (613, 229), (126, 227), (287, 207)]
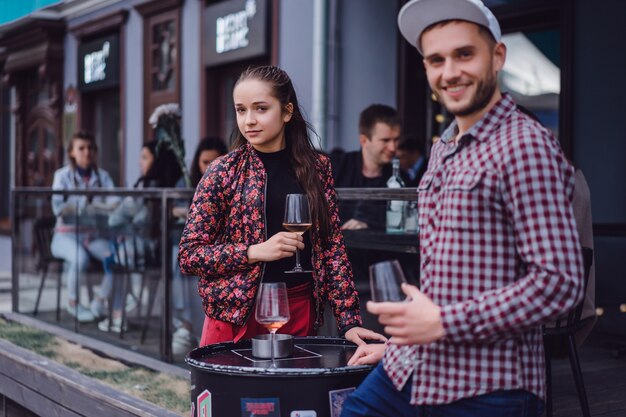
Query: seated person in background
[(207, 151), (188, 312), (369, 167), (336, 153), (159, 168), (75, 238), (379, 131), (413, 162)]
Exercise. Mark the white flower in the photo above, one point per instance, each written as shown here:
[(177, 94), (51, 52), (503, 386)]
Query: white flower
[(169, 109), (250, 8)]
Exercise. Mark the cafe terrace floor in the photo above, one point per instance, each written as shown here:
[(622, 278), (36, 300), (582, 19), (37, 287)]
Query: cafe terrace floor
[(603, 371)]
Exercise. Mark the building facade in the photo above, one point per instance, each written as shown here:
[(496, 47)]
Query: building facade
[(105, 65)]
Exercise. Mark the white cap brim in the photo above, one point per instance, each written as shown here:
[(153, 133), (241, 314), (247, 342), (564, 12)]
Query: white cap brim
[(417, 15)]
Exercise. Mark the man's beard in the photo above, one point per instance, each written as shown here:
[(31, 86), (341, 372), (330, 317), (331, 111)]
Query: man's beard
[(485, 90)]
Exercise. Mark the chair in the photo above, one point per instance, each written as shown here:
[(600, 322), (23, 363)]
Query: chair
[(127, 262), (563, 331), (133, 255), (44, 229)]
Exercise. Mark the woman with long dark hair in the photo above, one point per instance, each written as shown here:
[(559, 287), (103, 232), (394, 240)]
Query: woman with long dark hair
[(208, 149), (134, 218), (233, 239)]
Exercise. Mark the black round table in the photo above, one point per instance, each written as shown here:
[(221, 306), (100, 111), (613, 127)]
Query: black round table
[(227, 381)]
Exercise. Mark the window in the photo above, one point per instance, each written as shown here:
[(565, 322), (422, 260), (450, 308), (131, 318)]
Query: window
[(5, 157), (532, 74)]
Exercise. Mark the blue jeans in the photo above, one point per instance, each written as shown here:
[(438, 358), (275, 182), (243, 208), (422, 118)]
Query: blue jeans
[(377, 397), (71, 248)]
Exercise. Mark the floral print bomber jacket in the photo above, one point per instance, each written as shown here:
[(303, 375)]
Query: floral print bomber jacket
[(227, 216)]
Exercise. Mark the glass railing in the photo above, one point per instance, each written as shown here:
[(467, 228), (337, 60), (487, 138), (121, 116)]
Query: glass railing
[(82, 256)]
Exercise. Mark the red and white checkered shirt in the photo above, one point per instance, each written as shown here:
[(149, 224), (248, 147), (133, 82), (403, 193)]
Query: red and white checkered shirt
[(499, 254)]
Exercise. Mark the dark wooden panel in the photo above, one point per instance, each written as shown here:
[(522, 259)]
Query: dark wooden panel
[(609, 229), (68, 388), (379, 240), (32, 400), (12, 409), (406, 193)]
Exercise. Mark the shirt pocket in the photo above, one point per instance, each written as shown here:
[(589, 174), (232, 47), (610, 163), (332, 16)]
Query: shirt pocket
[(425, 183), (426, 203), (470, 199), (463, 180), (424, 197)]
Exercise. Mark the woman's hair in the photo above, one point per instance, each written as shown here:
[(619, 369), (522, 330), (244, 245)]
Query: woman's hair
[(165, 170), (81, 135), (302, 154), (205, 144)]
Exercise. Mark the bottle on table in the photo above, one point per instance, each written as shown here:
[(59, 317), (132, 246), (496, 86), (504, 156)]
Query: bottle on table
[(410, 217), (395, 208)]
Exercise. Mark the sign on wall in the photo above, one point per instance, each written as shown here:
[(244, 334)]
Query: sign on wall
[(235, 30), (99, 63)]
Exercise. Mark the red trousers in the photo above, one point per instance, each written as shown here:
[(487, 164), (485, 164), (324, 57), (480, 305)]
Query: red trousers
[(301, 312)]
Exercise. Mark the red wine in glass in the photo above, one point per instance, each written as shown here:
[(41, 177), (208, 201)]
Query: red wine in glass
[(272, 309), (298, 220)]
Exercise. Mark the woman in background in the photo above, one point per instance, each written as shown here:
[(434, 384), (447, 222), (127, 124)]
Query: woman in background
[(76, 239), (159, 169), (207, 151)]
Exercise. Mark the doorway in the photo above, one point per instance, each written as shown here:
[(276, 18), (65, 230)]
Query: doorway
[(220, 111), (101, 116)]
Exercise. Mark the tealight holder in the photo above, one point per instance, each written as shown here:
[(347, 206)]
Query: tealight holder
[(261, 346)]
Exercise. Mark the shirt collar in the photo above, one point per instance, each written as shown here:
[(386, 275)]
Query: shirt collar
[(93, 178), (483, 128)]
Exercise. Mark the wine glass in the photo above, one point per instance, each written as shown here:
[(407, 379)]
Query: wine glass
[(386, 280), (272, 309), (298, 220)]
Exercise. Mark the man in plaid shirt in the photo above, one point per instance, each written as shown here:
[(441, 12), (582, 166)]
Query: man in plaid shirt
[(499, 249)]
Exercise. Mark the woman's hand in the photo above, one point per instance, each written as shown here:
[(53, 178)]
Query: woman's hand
[(354, 224), (281, 245), (368, 354), (357, 335), (180, 212)]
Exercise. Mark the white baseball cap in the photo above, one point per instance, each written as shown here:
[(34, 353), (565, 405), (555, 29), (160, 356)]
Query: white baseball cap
[(417, 15)]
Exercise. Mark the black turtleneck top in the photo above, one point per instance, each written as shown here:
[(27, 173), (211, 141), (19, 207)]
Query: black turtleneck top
[(281, 180)]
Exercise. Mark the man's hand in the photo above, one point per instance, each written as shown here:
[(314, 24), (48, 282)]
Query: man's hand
[(416, 322), (354, 224), (281, 245), (357, 335), (368, 354)]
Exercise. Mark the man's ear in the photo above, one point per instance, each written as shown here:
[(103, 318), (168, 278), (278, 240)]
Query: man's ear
[(499, 56), (363, 139), (288, 112)]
